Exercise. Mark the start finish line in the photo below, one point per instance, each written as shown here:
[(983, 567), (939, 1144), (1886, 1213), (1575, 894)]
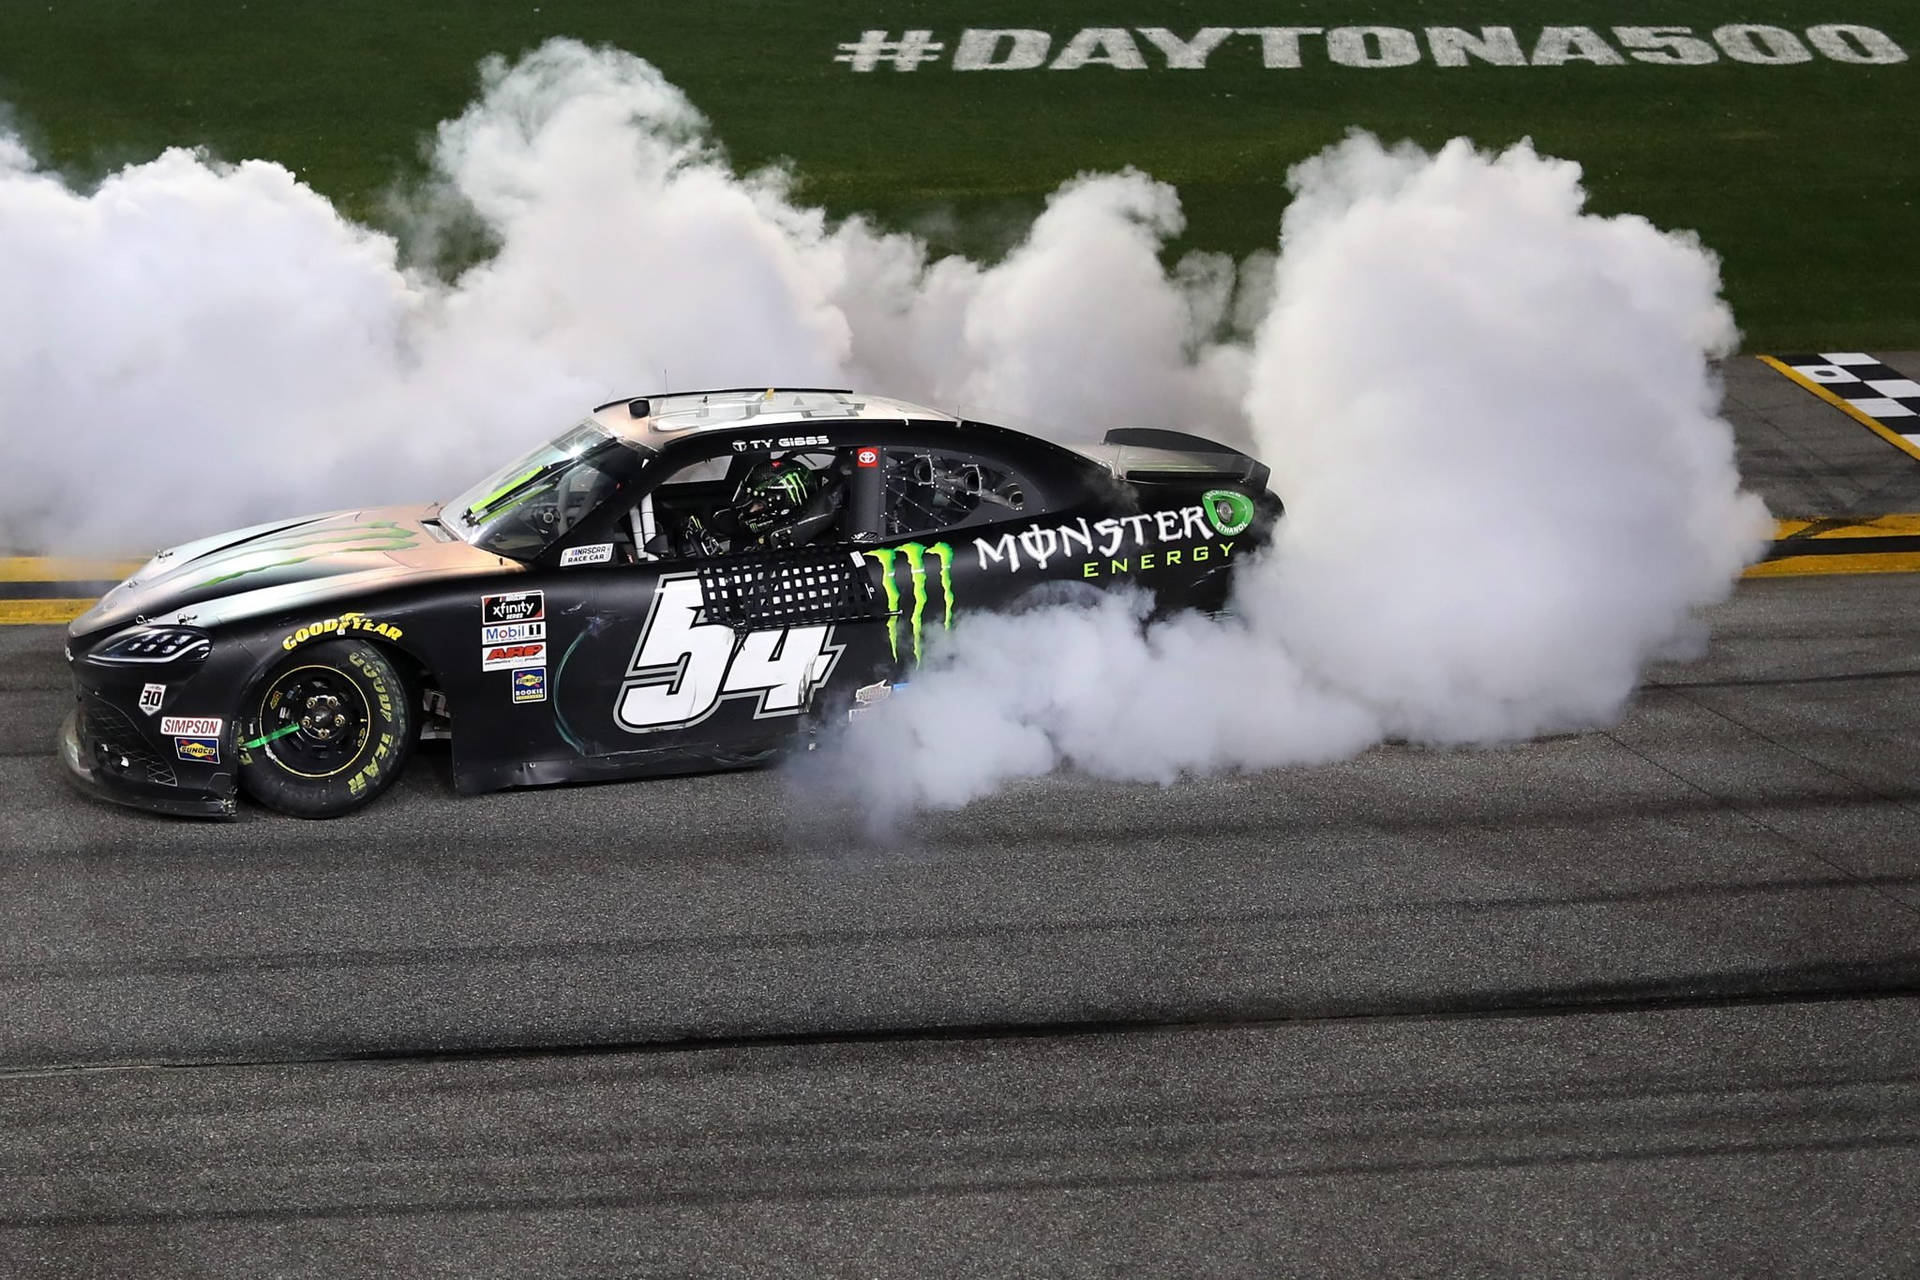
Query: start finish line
[(1287, 48)]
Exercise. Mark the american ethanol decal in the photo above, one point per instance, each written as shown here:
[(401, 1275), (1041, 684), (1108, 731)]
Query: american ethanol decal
[(1369, 47)]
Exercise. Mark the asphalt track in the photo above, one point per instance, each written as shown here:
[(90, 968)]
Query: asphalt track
[(1625, 1002)]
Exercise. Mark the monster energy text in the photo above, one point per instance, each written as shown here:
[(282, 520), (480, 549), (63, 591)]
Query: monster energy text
[(914, 556)]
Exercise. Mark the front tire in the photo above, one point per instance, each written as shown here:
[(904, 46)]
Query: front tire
[(331, 727)]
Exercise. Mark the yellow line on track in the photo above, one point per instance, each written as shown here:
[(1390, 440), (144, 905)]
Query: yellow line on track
[(1808, 566), (1845, 406), (41, 612), (64, 569)]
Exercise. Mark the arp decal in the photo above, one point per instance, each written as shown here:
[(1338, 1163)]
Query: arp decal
[(530, 684), (683, 667), (151, 696), (191, 726), (516, 606), (197, 750), (513, 632), (501, 657), (346, 624)]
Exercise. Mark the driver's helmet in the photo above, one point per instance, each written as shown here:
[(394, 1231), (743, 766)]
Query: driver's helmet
[(772, 495)]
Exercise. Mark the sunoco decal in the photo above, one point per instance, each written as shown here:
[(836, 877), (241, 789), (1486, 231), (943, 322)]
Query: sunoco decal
[(530, 684), (197, 750), (913, 557), (345, 624)]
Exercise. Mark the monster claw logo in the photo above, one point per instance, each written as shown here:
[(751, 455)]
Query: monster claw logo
[(914, 556)]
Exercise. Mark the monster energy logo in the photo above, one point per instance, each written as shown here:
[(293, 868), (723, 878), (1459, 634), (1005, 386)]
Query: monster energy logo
[(914, 556)]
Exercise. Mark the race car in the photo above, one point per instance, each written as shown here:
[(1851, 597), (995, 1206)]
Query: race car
[(678, 583)]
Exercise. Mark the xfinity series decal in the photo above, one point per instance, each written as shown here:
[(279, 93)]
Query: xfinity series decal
[(913, 556), (684, 666), (517, 606)]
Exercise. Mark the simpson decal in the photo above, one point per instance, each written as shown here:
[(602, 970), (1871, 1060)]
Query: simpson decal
[(191, 726)]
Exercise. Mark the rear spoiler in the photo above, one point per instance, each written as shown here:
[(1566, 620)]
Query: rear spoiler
[(1219, 463)]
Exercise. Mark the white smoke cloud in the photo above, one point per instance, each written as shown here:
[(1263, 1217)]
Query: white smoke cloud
[(1495, 423), (1490, 413), (196, 345)]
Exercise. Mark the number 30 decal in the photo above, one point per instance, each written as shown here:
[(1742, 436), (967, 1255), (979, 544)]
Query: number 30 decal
[(683, 666)]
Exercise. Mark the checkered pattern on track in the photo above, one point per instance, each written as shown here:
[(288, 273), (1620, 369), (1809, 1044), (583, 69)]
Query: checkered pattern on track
[(1884, 394)]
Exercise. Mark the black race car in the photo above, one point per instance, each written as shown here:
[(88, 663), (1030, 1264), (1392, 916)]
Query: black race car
[(678, 583)]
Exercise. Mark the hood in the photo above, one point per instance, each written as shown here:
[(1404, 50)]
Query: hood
[(288, 565)]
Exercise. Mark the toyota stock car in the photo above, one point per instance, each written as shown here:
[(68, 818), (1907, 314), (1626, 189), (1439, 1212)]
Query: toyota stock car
[(678, 583)]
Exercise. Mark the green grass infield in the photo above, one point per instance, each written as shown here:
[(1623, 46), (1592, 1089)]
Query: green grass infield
[(1803, 172)]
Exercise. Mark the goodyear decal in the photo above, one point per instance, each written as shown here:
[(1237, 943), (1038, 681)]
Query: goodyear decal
[(345, 624), (913, 557)]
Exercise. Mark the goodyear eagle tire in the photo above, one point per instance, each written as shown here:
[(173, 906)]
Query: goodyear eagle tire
[(329, 729)]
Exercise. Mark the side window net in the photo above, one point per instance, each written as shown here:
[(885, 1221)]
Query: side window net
[(802, 587), (927, 491)]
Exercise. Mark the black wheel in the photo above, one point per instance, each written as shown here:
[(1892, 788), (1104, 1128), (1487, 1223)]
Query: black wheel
[(331, 728)]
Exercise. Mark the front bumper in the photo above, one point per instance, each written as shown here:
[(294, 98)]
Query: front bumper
[(81, 754)]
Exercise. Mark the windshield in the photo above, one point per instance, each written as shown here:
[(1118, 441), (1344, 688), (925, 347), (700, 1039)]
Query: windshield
[(520, 510)]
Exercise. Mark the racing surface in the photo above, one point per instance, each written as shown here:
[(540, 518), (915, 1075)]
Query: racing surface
[(1454, 1006), (1620, 1002)]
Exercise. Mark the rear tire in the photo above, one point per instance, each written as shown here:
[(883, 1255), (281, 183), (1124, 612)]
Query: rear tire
[(330, 728)]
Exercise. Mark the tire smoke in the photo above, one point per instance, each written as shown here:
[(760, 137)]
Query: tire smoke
[(1492, 415)]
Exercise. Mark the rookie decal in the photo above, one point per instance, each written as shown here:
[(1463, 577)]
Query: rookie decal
[(518, 606), (191, 726), (501, 657), (513, 632), (683, 668), (346, 624), (597, 553), (530, 684), (151, 696), (198, 750)]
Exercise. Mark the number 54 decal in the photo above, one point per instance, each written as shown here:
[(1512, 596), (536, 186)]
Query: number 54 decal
[(683, 666)]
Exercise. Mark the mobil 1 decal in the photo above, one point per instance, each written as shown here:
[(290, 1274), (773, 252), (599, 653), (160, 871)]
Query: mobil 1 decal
[(684, 666)]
